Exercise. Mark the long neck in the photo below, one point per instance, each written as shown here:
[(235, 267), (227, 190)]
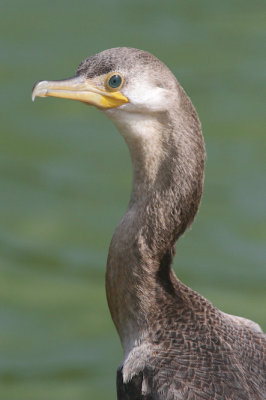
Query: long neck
[(168, 162)]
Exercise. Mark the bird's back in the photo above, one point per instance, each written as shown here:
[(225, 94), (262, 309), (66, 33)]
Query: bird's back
[(194, 351)]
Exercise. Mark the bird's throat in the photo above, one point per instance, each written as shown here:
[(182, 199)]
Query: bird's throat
[(142, 134)]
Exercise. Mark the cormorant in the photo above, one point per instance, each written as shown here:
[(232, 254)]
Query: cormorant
[(177, 345)]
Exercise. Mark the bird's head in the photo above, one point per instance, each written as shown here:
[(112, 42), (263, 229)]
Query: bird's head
[(155, 117), (117, 80)]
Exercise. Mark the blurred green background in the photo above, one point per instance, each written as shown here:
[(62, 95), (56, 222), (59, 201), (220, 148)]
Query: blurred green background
[(66, 177)]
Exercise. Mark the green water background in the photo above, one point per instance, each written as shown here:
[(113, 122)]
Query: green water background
[(66, 177)]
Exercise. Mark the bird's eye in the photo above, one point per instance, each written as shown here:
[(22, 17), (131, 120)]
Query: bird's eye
[(114, 81)]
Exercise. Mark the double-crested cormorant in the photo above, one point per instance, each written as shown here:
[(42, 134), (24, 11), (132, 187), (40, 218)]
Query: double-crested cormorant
[(177, 345)]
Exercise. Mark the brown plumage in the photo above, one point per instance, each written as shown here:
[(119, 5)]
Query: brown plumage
[(177, 345)]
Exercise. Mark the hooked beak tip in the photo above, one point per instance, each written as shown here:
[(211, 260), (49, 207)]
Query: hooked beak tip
[(37, 89)]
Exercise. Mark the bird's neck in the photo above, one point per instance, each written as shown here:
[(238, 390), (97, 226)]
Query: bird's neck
[(168, 164)]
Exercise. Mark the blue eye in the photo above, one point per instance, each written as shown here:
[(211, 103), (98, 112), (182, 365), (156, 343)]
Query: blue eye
[(115, 81)]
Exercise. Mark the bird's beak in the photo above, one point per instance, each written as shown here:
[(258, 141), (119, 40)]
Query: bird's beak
[(79, 88)]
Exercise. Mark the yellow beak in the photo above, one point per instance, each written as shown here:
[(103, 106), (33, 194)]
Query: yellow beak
[(79, 88)]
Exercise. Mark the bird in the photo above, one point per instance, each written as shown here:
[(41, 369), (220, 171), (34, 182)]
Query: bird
[(177, 345)]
